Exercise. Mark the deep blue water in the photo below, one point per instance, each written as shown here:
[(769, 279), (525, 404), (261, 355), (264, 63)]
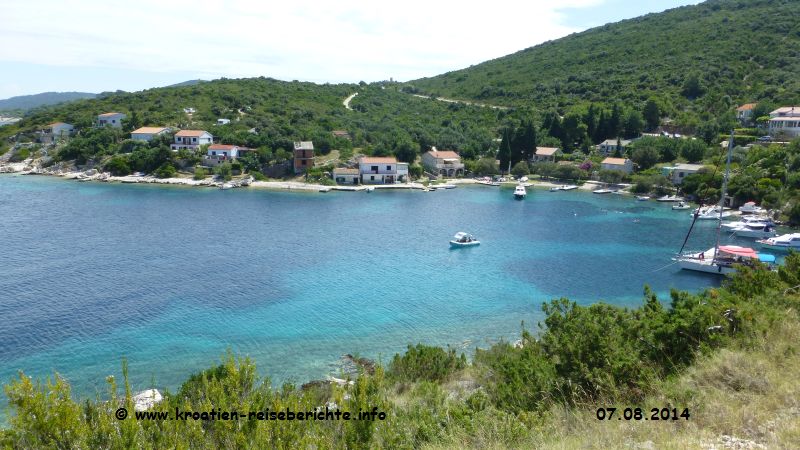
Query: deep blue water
[(171, 277)]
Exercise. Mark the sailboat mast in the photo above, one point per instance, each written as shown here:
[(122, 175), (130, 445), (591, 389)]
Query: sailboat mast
[(724, 191)]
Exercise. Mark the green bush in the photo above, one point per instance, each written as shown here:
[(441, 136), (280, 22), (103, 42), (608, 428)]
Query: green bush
[(423, 362), (118, 166), (20, 154), (223, 171), (166, 170), (200, 173)]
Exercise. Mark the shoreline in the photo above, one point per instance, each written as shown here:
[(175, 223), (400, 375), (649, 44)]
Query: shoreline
[(25, 168)]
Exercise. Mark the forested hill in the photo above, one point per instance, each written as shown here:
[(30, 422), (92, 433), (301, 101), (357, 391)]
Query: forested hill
[(23, 103), (693, 59), (273, 113)]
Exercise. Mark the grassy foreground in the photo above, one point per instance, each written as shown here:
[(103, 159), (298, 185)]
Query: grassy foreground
[(729, 356)]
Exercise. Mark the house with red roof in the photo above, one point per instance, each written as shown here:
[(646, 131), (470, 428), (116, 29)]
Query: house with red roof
[(382, 170), (446, 163), (621, 164), (148, 133), (745, 112), (220, 153)]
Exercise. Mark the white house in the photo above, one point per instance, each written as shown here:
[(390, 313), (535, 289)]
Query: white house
[(56, 131), (223, 121), (745, 112), (110, 119), (546, 154), (382, 170), (621, 164), (676, 174), (785, 122), (345, 176), (219, 153), (148, 133), (609, 146), (191, 139), (443, 162)]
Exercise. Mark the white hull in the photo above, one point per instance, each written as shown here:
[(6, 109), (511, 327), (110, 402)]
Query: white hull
[(707, 266), (755, 234)]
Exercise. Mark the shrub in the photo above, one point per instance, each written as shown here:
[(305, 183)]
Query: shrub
[(223, 171), (118, 166), (200, 173), (20, 155), (426, 363), (167, 170)]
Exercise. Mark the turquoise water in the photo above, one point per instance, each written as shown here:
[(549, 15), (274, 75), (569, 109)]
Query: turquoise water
[(171, 277)]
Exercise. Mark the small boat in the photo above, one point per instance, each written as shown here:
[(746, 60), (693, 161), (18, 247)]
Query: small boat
[(755, 230), (751, 208), (681, 205), (324, 189), (555, 189), (520, 192), (462, 239), (669, 198), (226, 186), (523, 179), (784, 242), (758, 221), (569, 187), (370, 189), (710, 213), (602, 191), (642, 198)]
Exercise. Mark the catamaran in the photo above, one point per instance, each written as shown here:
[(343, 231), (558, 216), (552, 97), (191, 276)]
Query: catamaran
[(719, 259)]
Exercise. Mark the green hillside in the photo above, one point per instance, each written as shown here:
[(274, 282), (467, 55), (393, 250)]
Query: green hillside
[(695, 61), (382, 119)]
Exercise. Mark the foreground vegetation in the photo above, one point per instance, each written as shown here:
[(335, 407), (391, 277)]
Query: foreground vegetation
[(728, 356)]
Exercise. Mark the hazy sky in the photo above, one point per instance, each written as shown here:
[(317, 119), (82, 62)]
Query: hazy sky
[(95, 46)]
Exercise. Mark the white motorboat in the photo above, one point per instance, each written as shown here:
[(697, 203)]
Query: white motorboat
[(751, 208), (226, 186), (520, 192), (642, 198), (710, 213), (670, 198), (756, 221), (602, 191), (462, 239), (756, 231), (569, 187), (681, 206), (784, 242), (370, 189), (555, 189)]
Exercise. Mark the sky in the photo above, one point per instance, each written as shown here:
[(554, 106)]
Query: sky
[(93, 46)]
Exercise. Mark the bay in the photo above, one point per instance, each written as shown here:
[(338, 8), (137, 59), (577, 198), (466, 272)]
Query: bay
[(173, 277)]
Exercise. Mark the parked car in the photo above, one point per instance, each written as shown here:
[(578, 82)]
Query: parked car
[(765, 139)]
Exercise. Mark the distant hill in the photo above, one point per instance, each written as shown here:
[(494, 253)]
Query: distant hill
[(24, 103), (187, 83), (697, 59)]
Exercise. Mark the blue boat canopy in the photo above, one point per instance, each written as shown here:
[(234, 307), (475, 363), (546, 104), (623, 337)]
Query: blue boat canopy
[(766, 257)]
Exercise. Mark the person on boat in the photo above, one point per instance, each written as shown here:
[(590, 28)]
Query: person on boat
[(702, 256)]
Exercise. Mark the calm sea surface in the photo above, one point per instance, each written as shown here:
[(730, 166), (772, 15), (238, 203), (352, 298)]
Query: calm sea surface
[(171, 277)]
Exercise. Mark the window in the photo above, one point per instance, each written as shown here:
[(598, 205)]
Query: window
[(213, 153), (374, 169), (194, 139), (304, 162), (372, 178), (388, 167)]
